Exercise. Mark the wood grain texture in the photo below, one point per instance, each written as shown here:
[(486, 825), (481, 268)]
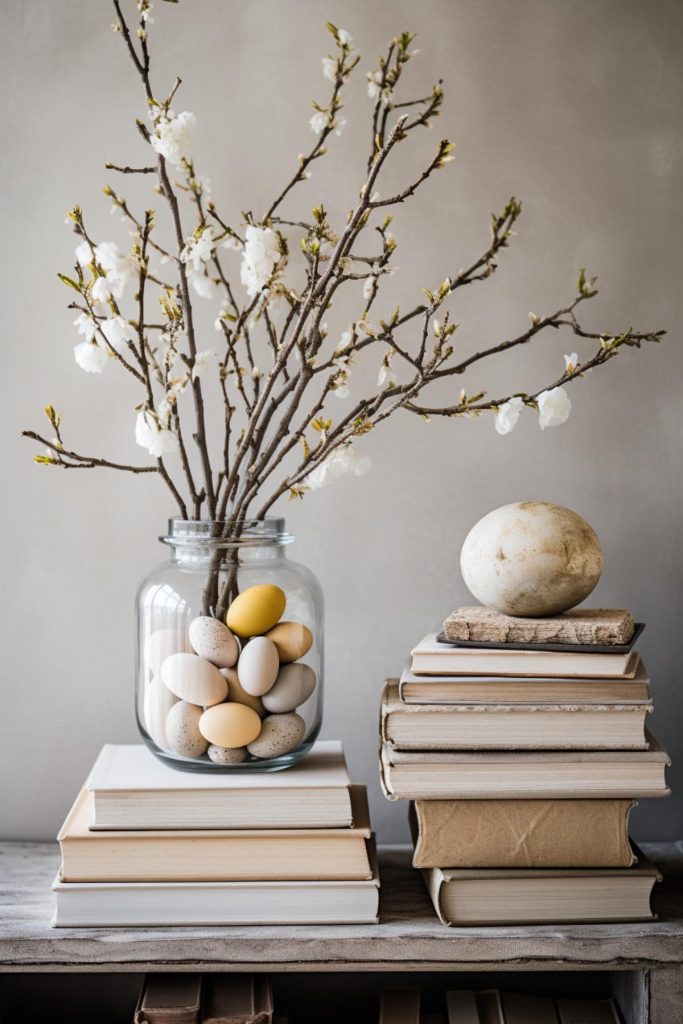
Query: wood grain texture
[(579, 626), (408, 937)]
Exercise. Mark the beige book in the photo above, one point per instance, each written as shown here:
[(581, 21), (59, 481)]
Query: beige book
[(502, 897), (490, 1007), (433, 658), (525, 1009), (521, 690), (587, 1011), (536, 774), (511, 726), (521, 833), (601, 626), (214, 855), (237, 999), (399, 1006)]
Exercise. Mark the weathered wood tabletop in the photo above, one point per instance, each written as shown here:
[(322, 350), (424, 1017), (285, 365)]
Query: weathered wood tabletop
[(408, 937)]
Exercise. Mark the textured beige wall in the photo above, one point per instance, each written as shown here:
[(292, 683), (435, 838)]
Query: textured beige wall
[(574, 107)]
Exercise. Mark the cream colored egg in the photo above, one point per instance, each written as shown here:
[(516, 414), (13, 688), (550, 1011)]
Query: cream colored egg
[(158, 702), (280, 734), (531, 559), (164, 642), (230, 725), (237, 693), (258, 666), (214, 641), (293, 686), (227, 755), (256, 610), (292, 640), (182, 730), (194, 679)]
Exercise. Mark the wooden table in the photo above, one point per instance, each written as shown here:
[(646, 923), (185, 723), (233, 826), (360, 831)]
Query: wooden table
[(641, 964)]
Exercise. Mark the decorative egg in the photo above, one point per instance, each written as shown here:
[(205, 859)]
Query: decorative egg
[(258, 666), (212, 640), (279, 735), (237, 693), (164, 642), (293, 686), (182, 730), (194, 679), (230, 725), (227, 755), (158, 702), (292, 640), (256, 610), (532, 558)]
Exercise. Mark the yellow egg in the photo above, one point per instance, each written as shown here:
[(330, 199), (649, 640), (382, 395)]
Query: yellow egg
[(292, 640), (256, 610), (230, 725)]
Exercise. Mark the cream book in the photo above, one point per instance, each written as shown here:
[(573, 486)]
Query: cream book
[(433, 658), (190, 904), (490, 775), (515, 727), (132, 789), (219, 855), (499, 897), (524, 690)]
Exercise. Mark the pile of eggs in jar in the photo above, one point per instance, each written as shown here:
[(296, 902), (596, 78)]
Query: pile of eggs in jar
[(230, 691)]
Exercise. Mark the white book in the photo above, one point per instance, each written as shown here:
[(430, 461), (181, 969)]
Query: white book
[(132, 789), (189, 904)]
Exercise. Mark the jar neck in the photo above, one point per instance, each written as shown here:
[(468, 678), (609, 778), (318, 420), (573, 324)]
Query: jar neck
[(203, 541)]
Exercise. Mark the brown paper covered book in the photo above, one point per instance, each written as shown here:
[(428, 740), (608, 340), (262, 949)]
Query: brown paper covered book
[(169, 999), (578, 626), (237, 999), (521, 833)]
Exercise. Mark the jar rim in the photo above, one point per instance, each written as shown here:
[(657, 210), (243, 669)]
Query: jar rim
[(216, 533)]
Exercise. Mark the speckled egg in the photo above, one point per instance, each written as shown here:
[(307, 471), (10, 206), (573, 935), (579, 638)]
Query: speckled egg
[(158, 702), (230, 725), (256, 610), (279, 735), (212, 640), (164, 642), (293, 686), (182, 730), (531, 559), (227, 755), (258, 666), (194, 679), (237, 693), (292, 640)]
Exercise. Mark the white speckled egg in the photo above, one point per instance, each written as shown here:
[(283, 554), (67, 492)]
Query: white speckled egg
[(230, 725), (279, 734), (531, 559), (182, 730), (294, 685), (162, 643), (258, 666), (158, 702), (212, 640), (194, 679), (227, 755), (238, 694)]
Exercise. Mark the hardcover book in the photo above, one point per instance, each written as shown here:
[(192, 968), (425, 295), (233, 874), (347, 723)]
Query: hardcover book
[(169, 999), (237, 999)]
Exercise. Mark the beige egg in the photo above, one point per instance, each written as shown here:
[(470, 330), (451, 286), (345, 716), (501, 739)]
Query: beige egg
[(279, 735), (227, 755), (158, 702), (214, 641), (230, 725), (182, 730), (256, 609), (293, 686), (237, 693), (164, 642), (292, 640), (194, 679), (258, 666)]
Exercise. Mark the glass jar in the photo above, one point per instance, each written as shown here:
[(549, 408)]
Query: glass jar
[(229, 663)]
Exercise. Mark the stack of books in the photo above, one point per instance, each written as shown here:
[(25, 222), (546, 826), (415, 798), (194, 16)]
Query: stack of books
[(145, 844), (523, 758), (405, 1006)]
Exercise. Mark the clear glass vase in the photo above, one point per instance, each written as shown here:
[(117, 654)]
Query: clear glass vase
[(229, 662)]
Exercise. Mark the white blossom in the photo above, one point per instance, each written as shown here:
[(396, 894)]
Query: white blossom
[(204, 286), (83, 253), (201, 362), (344, 38), (117, 331), (554, 407), (339, 124), (87, 327), (508, 415), (318, 122), (232, 242), (90, 357), (571, 362), (330, 65), (149, 434), (260, 258), (101, 290), (340, 462), (198, 249), (173, 134), (374, 82), (368, 287), (120, 270)]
